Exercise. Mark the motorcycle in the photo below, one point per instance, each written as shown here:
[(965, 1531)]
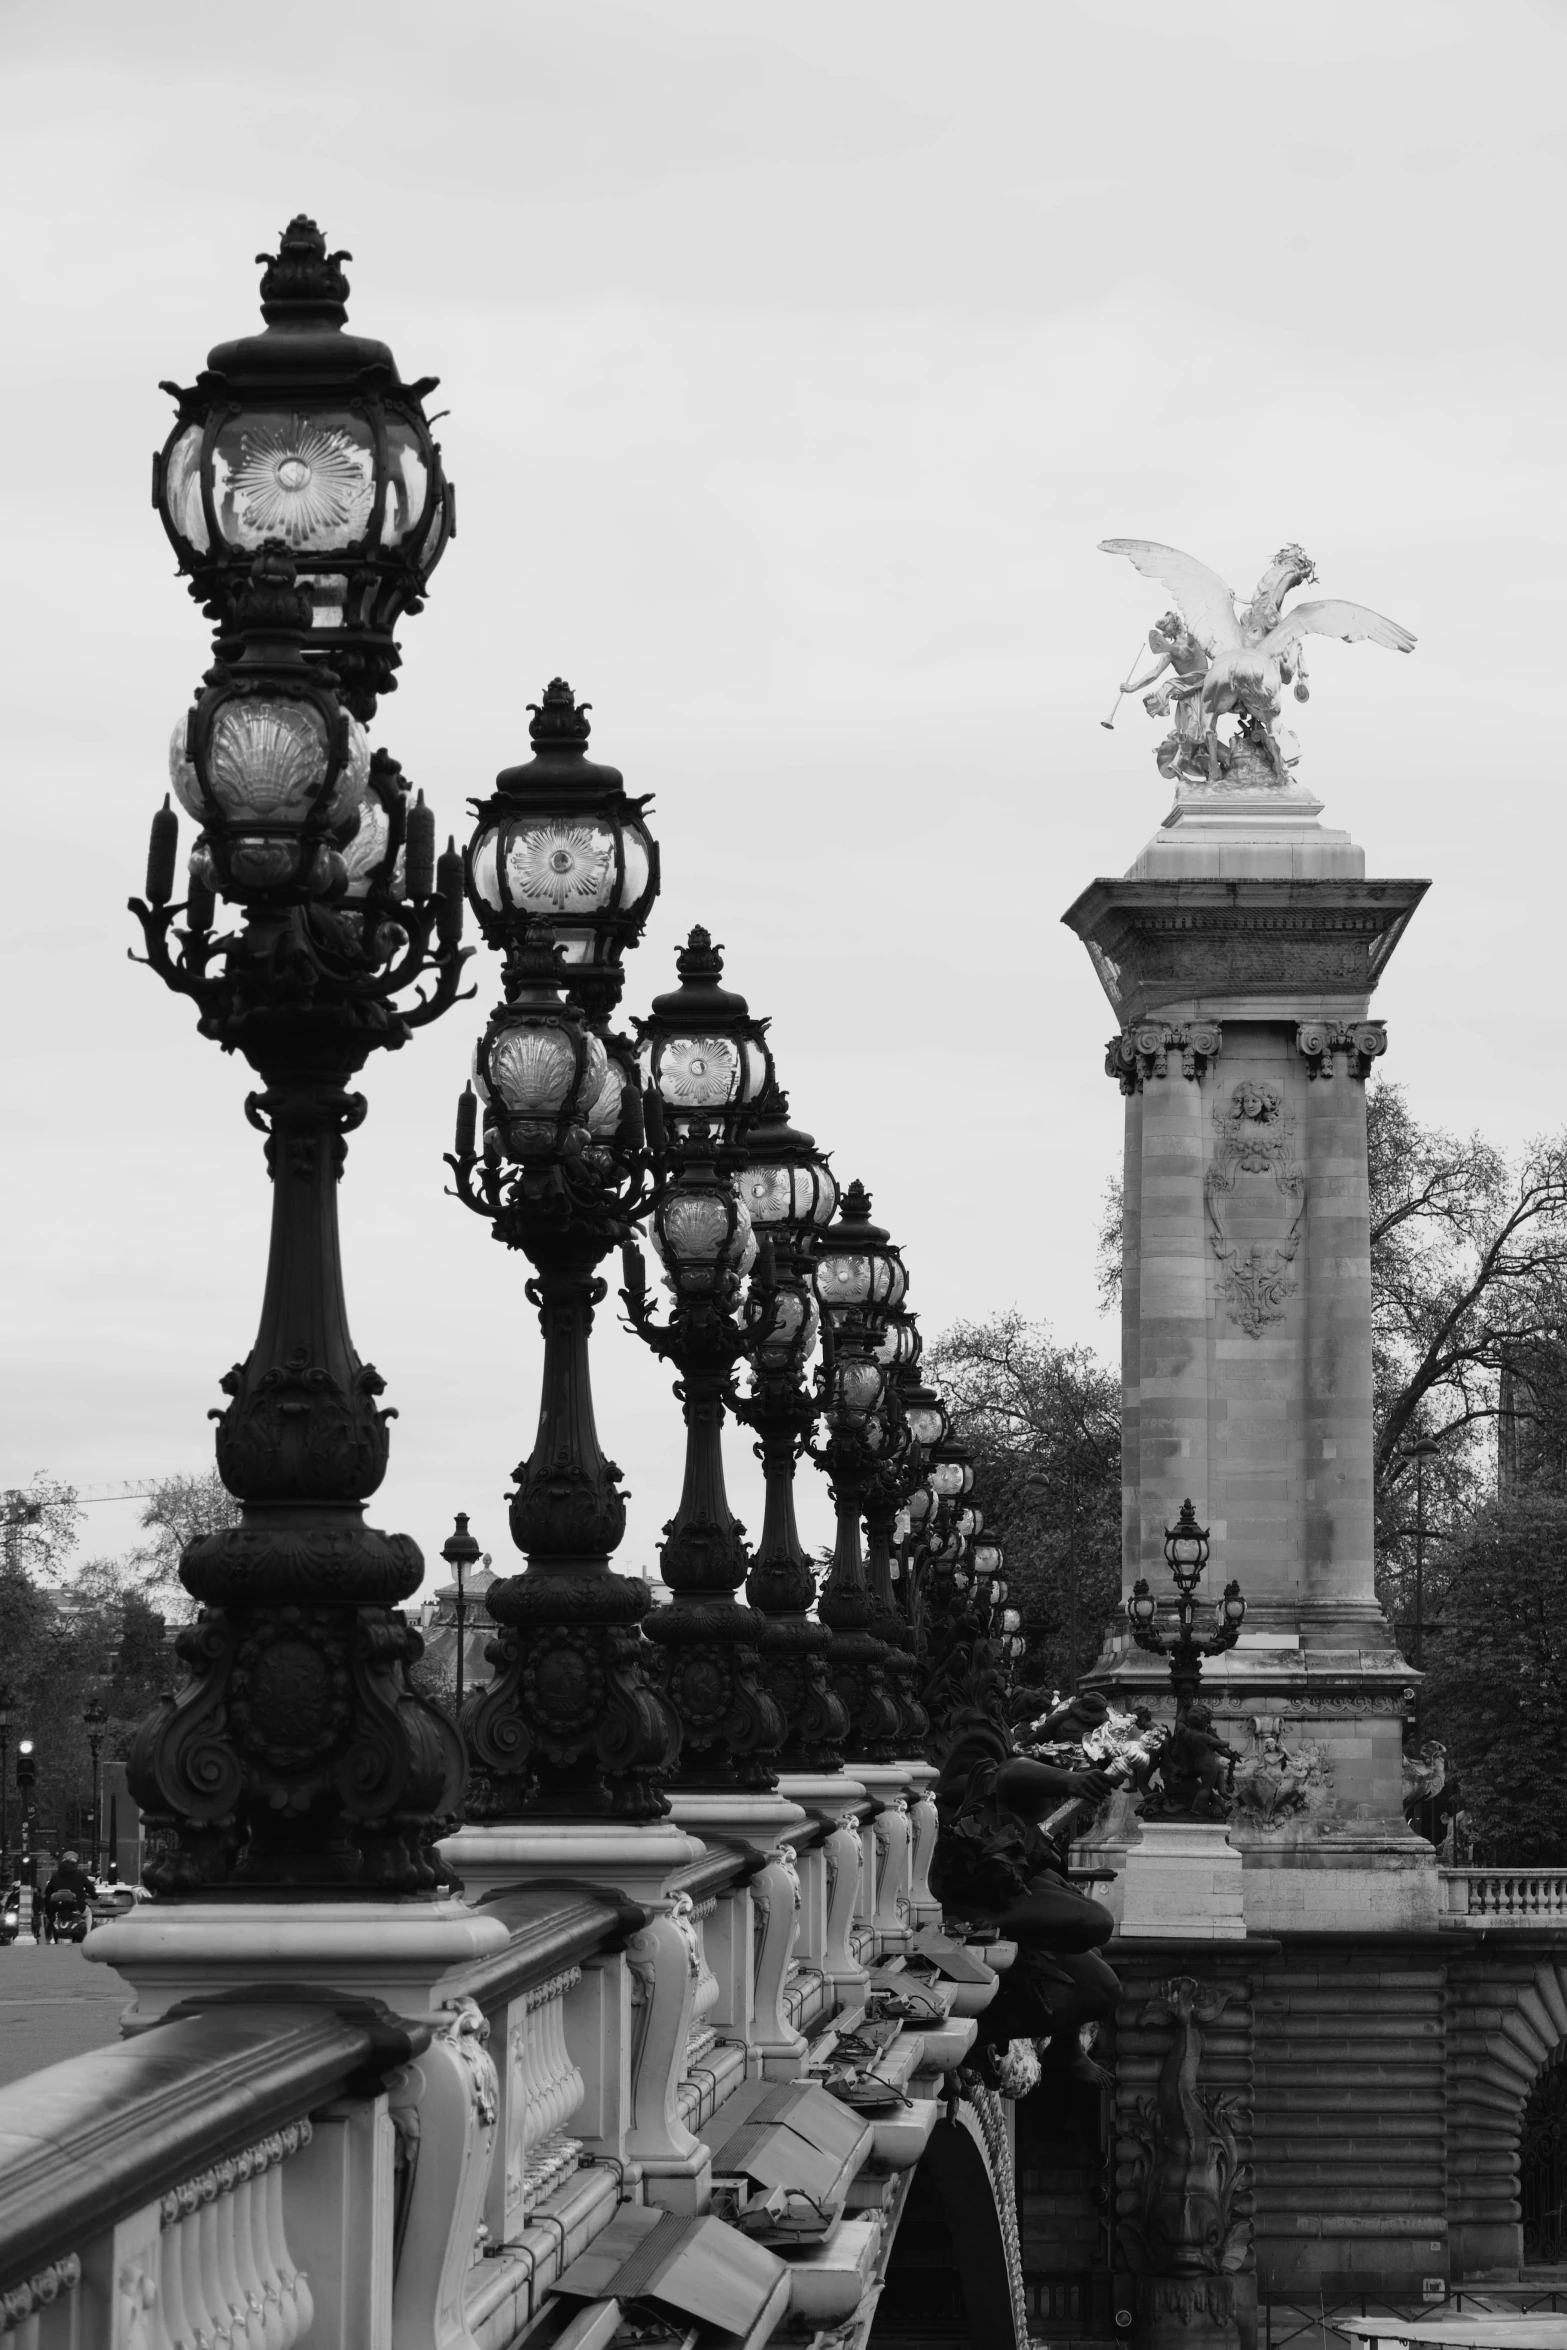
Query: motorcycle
[(10, 1915), (67, 1916)]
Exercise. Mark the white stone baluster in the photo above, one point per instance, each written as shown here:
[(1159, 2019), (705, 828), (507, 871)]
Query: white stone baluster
[(775, 1897), (545, 2089), (665, 1963), (452, 2088), (249, 2211), (297, 2301), (50, 2294), (924, 1908), (700, 2037), (842, 1854), (230, 2191)]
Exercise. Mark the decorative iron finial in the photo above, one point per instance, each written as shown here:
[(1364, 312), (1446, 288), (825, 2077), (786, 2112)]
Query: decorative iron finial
[(302, 279), (699, 958), (558, 719), (855, 1205), (272, 603)]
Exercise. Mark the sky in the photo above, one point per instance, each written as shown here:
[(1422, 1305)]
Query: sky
[(797, 360)]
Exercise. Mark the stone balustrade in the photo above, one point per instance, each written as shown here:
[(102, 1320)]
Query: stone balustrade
[(1478, 1897), (250, 2172)]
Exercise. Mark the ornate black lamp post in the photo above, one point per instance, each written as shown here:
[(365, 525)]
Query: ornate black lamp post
[(306, 436), (707, 1068), (571, 1725), (298, 1755), (860, 1280), (6, 1718), (1186, 1554), (790, 1194), (95, 1720)]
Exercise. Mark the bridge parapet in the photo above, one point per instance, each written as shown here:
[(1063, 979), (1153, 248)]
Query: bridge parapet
[(275, 2162)]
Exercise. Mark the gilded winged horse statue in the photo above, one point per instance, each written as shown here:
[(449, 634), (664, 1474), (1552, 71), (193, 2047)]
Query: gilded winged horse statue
[(1231, 660)]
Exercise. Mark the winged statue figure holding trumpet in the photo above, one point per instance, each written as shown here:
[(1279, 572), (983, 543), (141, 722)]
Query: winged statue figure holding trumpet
[(1220, 659)]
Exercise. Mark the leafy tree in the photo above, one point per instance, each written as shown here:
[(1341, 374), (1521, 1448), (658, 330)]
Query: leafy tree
[(1496, 1669), (1044, 1423)]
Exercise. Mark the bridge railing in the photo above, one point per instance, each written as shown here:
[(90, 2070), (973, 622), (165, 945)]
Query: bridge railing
[(186, 2187), (1482, 1897), (271, 2169)]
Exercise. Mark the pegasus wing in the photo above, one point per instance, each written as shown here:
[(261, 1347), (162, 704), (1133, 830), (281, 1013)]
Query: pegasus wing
[(1201, 597), (1332, 616)]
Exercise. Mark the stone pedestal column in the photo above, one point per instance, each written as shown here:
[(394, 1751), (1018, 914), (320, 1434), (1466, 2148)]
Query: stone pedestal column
[(1240, 954)]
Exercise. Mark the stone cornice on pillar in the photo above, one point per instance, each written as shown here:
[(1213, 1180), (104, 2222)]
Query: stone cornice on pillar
[(1156, 944)]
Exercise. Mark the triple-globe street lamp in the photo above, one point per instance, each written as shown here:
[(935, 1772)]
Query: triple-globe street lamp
[(302, 491)]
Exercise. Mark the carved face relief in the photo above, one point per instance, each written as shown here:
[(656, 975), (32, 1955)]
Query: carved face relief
[(1256, 1201)]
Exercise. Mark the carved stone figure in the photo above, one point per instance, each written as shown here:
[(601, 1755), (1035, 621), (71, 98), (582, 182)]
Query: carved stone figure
[(1277, 1783), (1231, 661), (1193, 1768), (1189, 2214), (996, 1864), (1425, 1781)]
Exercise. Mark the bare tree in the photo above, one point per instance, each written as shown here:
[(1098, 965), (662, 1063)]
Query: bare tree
[(40, 1521), (179, 1511)]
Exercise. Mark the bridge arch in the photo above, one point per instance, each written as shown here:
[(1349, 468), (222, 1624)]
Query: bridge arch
[(955, 2264), (1507, 2046)]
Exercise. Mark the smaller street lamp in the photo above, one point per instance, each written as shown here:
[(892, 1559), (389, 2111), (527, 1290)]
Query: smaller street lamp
[(1186, 1555), (26, 1780), (95, 1720), (5, 1791), (460, 1551)]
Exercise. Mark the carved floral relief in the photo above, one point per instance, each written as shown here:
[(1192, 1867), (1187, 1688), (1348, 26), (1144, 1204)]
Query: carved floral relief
[(1256, 1202)]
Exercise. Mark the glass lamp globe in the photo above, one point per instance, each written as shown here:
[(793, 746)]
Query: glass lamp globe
[(1141, 1607), (539, 1069), (951, 1473), (858, 1270), (703, 1056), (925, 1416), (306, 435), (789, 1334), (1186, 1545), (559, 840), (919, 1505), (704, 1240), (1230, 1612), (785, 1182), (268, 761), (857, 1390), (987, 1558)]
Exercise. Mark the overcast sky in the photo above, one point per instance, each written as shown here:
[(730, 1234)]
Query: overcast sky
[(797, 358)]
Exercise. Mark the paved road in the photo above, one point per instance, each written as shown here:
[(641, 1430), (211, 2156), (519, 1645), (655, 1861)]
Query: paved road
[(53, 2004)]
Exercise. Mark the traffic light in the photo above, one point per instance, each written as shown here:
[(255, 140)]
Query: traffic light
[(26, 1765)]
